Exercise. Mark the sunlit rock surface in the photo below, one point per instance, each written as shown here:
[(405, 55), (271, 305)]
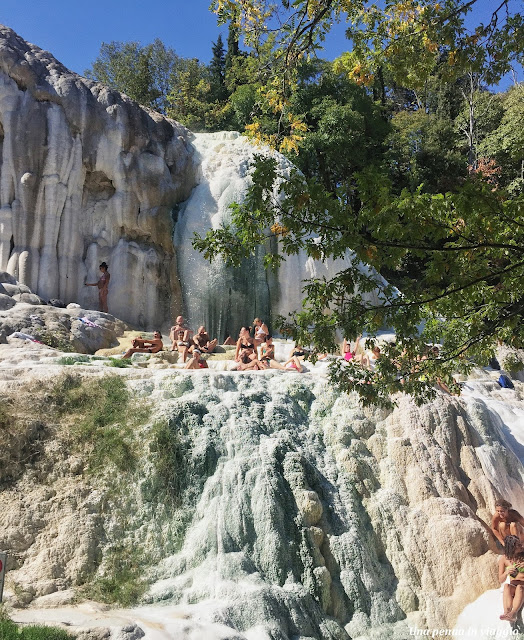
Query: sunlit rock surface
[(300, 515), (87, 175)]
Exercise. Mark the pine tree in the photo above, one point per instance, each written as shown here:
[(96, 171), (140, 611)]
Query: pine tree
[(217, 68)]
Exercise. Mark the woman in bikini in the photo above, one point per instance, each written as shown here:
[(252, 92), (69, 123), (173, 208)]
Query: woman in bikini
[(183, 344), (369, 359), (245, 341), (197, 362), (103, 286), (267, 359), (295, 356), (261, 331), (248, 360), (511, 565)]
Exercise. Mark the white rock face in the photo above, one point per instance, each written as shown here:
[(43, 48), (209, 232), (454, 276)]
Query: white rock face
[(87, 175), (299, 514)]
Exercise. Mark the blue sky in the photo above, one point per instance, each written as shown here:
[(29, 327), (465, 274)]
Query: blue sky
[(73, 31)]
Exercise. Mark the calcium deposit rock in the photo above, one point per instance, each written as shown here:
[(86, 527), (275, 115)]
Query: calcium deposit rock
[(87, 175)]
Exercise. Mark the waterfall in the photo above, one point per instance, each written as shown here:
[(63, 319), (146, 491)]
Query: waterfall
[(220, 297)]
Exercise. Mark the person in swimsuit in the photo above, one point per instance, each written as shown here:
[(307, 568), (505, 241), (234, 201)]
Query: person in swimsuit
[(245, 341), (145, 346), (261, 331), (197, 362), (506, 521), (347, 353), (203, 342), (180, 325), (511, 565), (248, 360), (182, 346), (295, 356), (369, 359), (267, 359), (103, 286)]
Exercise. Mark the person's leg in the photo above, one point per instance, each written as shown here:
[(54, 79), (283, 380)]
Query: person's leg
[(507, 598), (102, 299), (274, 364), (504, 529), (518, 600), (211, 345)]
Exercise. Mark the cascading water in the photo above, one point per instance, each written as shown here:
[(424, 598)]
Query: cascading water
[(298, 514), (222, 298)]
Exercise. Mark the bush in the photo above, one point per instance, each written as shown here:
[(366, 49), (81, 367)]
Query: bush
[(513, 363), (10, 631), (124, 583), (119, 363)]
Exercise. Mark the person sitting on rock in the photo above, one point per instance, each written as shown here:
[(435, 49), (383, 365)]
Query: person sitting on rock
[(248, 360), (348, 353), (506, 521), (512, 564), (295, 356), (183, 346), (196, 362), (180, 325), (203, 342), (370, 358), (245, 341), (145, 346), (267, 359)]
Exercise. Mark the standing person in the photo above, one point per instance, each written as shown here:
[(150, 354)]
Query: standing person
[(506, 521), (512, 564), (103, 286)]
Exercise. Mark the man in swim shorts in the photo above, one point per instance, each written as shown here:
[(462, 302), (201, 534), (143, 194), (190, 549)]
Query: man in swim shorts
[(145, 346), (203, 342)]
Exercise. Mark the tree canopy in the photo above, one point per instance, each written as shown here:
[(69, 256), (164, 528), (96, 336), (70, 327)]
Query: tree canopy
[(401, 148)]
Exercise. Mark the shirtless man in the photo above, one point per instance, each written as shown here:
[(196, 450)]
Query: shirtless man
[(203, 342), (196, 361), (145, 346), (506, 521)]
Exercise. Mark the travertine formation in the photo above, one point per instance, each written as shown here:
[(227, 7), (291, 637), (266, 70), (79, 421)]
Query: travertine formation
[(87, 175), (297, 513)]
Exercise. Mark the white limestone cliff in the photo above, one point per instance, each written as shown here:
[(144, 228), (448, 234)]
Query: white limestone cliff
[(87, 175)]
